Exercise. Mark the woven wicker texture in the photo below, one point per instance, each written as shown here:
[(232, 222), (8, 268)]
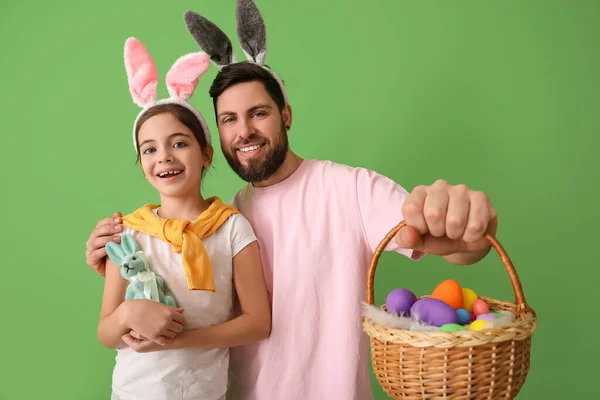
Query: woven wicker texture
[(488, 364)]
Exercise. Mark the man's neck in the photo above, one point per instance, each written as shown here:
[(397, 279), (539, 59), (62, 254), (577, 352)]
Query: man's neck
[(289, 166)]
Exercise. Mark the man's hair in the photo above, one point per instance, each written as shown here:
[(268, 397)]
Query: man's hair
[(246, 72)]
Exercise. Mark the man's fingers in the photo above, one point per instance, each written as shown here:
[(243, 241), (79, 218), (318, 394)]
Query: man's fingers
[(95, 257), (458, 211), (479, 217), (105, 231), (412, 209), (434, 210), (409, 238)]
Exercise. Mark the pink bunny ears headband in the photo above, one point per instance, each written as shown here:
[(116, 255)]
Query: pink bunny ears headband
[(181, 81), (251, 34)]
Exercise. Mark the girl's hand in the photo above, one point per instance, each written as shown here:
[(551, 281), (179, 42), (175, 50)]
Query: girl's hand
[(152, 320), (142, 345)]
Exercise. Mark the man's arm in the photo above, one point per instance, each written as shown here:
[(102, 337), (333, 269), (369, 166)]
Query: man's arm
[(106, 230)]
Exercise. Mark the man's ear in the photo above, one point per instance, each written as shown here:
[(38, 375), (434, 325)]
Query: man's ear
[(287, 116)]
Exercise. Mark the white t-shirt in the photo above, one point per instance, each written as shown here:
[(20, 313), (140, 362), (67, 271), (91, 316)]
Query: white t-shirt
[(198, 374)]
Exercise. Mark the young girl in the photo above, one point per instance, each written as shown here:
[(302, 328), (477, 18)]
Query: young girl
[(201, 248)]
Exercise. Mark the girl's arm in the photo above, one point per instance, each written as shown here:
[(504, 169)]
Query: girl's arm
[(112, 325), (151, 319), (255, 322)]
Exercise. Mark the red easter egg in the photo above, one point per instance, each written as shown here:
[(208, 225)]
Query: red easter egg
[(450, 292), (480, 307)]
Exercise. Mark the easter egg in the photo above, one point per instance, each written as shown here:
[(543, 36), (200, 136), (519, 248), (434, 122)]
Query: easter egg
[(469, 296), (449, 292), (452, 328), (399, 301), (486, 317), (433, 312), (464, 317), (480, 307), (478, 325)]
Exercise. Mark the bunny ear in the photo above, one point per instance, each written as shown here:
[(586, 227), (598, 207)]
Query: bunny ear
[(251, 31), (115, 252), (129, 244), (183, 76), (141, 72), (211, 39)]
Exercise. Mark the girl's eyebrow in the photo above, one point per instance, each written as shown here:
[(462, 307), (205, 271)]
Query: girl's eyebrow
[(170, 136)]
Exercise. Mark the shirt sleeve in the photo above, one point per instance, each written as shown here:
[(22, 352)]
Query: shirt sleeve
[(242, 233), (380, 202)]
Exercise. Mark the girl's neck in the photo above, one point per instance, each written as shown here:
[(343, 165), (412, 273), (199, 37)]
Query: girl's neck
[(186, 208)]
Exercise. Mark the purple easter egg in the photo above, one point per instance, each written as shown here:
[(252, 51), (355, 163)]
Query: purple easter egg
[(487, 317), (433, 312), (399, 301)]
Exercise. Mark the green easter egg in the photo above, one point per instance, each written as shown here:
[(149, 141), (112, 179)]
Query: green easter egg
[(452, 328)]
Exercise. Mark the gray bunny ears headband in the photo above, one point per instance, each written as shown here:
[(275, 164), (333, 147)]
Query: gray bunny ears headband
[(251, 34)]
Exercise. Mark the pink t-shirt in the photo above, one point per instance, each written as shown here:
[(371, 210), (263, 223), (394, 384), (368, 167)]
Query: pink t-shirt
[(317, 232)]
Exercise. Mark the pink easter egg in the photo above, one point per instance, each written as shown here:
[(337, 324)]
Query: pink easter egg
[(480, 307)]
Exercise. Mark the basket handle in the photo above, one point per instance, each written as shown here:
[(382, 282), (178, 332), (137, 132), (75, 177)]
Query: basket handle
[(520, 303)]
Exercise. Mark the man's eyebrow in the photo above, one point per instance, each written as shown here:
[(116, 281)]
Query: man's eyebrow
[(251, 109)]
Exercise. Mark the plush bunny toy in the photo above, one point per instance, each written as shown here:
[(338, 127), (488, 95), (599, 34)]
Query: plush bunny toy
[(144, 284)]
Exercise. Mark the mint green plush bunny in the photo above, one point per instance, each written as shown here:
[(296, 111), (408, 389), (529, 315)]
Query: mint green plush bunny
[(143, 283)]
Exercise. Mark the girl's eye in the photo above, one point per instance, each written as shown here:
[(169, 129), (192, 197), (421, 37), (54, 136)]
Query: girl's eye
[(180, 145)]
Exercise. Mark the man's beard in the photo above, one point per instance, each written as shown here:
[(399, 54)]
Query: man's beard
[(258, 170)]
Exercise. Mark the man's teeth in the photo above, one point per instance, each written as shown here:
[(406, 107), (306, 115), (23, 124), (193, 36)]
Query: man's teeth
[(251, 148), (176, 172)]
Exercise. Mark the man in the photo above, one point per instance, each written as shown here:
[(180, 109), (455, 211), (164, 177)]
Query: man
[(318, 224)]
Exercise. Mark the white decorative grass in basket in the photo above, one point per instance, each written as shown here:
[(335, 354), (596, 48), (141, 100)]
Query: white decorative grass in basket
[(416, 361)]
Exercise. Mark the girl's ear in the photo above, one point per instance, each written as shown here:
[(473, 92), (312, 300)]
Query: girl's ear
[(209, 152)]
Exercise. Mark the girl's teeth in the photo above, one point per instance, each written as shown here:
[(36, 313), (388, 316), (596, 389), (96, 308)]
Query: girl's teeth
[(162, 175)]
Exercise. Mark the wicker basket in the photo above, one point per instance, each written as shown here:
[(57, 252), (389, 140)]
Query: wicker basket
[(488, 364)]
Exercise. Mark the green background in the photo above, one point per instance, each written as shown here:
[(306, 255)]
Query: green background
[(501, 95)]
